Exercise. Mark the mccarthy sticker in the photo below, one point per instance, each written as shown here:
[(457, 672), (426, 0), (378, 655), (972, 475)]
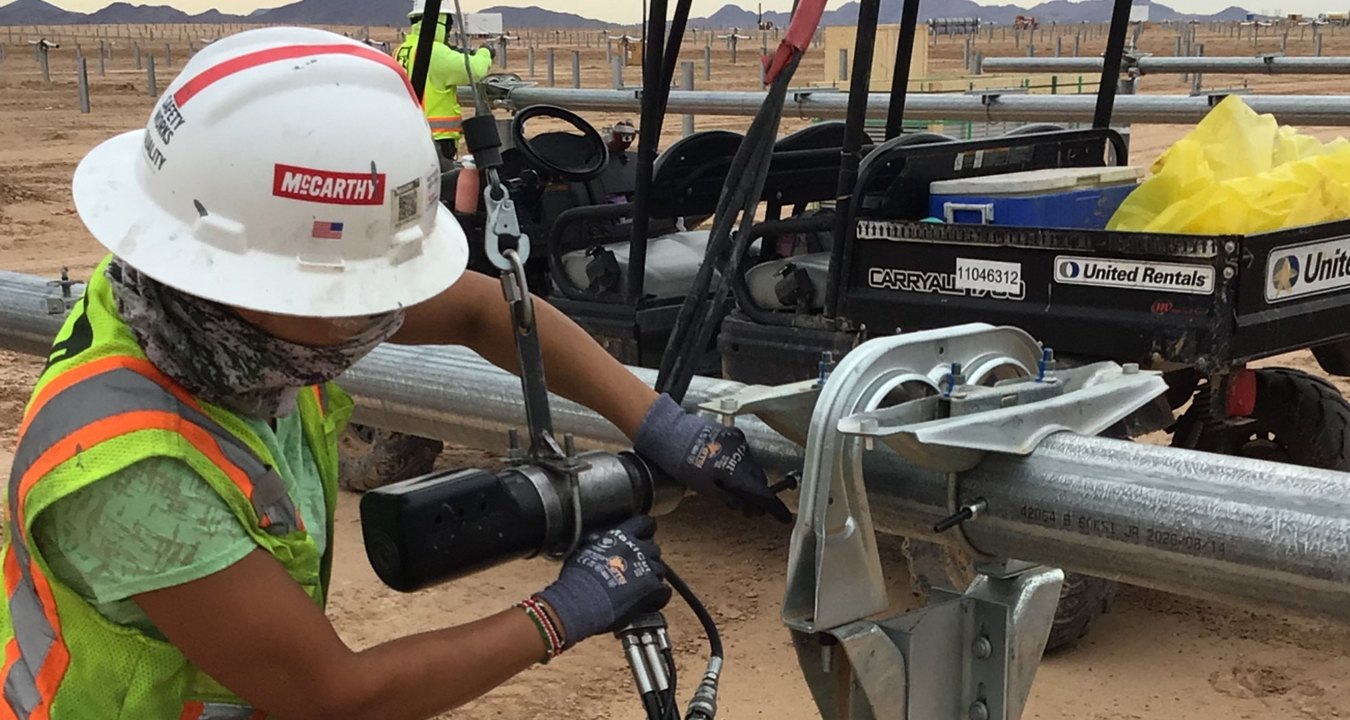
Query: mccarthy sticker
[(327, 186), (1295, 271), (1134, 275)]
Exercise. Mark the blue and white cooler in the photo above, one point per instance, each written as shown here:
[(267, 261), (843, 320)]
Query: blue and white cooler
[(1081, 198)]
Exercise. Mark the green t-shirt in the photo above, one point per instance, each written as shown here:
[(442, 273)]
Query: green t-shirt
[(157, 524)]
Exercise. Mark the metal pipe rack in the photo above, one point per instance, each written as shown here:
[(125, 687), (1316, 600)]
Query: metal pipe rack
[(991, 106), (1237, 530)]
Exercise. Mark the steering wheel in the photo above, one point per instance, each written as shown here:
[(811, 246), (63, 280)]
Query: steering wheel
[(572, 157)]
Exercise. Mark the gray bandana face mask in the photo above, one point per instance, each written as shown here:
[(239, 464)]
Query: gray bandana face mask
[(223, 359)]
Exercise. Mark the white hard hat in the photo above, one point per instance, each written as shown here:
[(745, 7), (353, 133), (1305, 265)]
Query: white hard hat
[(419, 7), (285, 170)]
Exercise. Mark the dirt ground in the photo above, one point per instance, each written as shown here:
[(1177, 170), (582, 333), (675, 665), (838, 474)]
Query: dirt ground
[(1153, 656)]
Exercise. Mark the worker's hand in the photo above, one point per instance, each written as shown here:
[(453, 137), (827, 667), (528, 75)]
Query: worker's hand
[(612, 578), (488, 47), (708, 458)]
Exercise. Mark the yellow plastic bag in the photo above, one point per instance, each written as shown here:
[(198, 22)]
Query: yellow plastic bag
[(1240, 173)]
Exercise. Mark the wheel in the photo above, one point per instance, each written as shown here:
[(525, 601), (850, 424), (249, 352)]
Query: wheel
[(1082, 600), (1298, 418), (370, 457)]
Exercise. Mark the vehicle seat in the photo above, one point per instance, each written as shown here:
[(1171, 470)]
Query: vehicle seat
[(793, 283), (672, 262)]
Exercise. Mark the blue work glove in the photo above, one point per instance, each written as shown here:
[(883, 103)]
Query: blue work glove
[(613, 577), (708, 458)]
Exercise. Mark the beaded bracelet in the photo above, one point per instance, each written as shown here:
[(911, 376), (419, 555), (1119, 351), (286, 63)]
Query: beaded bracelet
[(553, 644)]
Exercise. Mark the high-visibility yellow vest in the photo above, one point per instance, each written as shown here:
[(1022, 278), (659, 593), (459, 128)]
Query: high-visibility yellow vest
[(440, 99), (99, 407)]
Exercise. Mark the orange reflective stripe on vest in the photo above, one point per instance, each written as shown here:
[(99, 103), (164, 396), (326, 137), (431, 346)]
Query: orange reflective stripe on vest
[(124, 395), (449, 123)]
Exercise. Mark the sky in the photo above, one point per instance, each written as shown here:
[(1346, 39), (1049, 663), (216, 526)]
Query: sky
[(629, 11)]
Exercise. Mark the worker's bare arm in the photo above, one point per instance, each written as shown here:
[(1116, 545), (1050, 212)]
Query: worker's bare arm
[(473, 313), (253, 629)]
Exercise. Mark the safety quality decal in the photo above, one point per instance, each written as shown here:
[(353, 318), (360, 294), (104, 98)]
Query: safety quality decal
[(327, 186), (1295, 271), (1135, 275)]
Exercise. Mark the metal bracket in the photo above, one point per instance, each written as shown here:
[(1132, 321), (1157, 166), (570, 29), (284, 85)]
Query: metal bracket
[(953, 433), (957, 393), (974, 655)]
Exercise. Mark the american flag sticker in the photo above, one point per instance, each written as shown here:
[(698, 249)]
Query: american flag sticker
[(327, 230)]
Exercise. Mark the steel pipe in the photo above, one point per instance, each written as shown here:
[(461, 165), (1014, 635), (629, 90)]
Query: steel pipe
[(988, 107), (1177, 65), (1235, 530)]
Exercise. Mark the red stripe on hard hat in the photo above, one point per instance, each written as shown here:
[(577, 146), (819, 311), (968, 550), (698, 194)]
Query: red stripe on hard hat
[(289, 52)]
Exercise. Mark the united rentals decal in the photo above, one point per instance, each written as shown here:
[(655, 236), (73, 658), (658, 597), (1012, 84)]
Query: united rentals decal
[(1295, 271), (327, 186), (1135, 275)]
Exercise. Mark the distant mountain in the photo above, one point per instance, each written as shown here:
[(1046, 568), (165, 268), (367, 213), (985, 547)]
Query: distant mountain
[(122, 13), (387, 12), (36, 12), (337, 12), (1057, 11), (537, 17), (732, 16)]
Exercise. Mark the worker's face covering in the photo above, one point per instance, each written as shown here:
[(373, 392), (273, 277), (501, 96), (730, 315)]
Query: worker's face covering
[(223, 359)]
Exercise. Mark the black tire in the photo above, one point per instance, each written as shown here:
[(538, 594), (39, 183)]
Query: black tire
[(1299, 419), (1082, 600), (370, 457)]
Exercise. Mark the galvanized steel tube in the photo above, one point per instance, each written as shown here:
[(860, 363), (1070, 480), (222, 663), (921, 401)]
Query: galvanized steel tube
[(1235, 530), (991, 107), (1177, 65)]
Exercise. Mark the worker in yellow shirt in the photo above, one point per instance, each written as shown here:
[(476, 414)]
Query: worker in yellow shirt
[(448, 71)]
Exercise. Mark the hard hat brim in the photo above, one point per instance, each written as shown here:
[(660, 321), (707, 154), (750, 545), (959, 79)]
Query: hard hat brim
[(119, 214)]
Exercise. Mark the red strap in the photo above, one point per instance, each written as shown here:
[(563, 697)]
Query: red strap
[(797, 39)]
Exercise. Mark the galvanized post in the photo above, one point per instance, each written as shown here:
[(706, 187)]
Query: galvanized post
[(549, 69), (1059, 46), (687, 83), (576, 68), (151, 85), (609, 50), (1197, 80), (616, 72), (1317, 41), (1031, 49), (1177, 52), (707, 62), (82, 82), (529, 54), (46, 70), (138, 56), (501, 53), (843, 65), (2, 53), (1077, 44), (734, 40), (168, 55)]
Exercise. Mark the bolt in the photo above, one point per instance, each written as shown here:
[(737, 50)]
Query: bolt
[(982, 647), (728, 404), (1228, 273), (1130, 368), (1230, 247), (570, 444), (979, 711)]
